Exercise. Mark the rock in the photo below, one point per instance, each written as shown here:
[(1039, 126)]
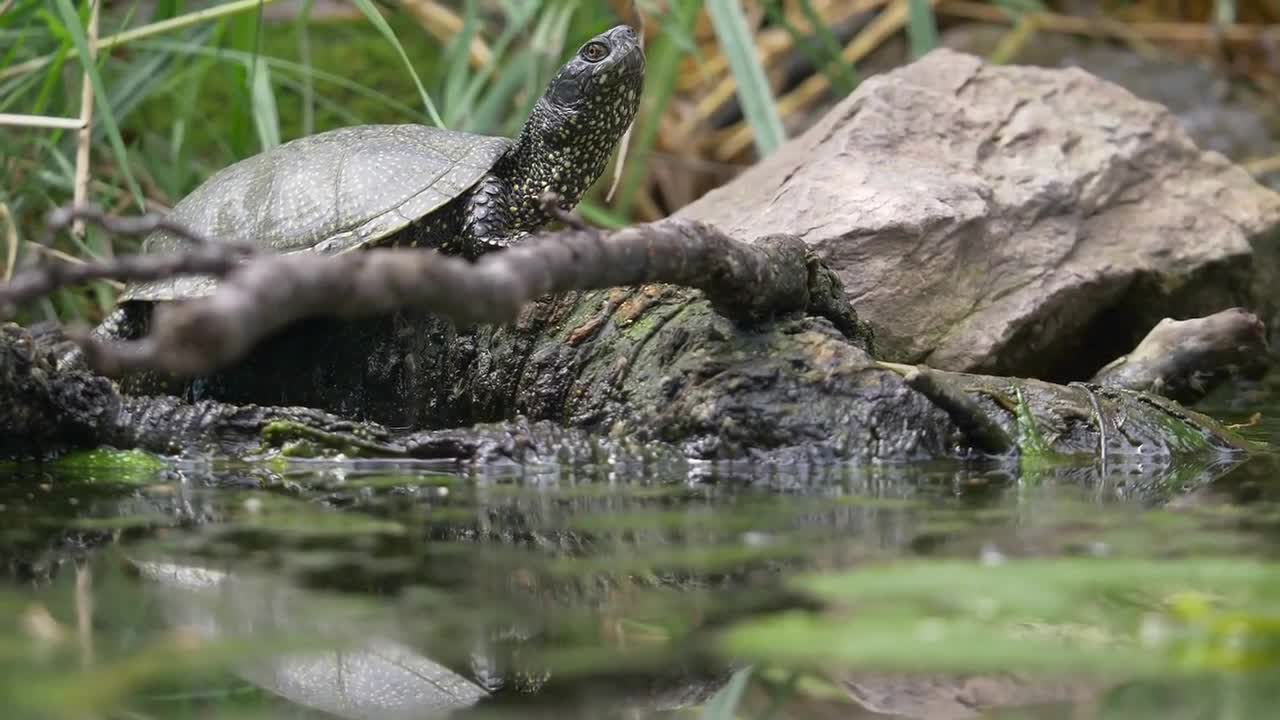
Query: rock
[(1012, 220), (1218, 114)]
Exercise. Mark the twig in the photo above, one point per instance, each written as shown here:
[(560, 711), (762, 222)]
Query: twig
[(56, 253), (51, 276), (60, 218), (80, 190), (1183, 359), (1103, 422), (973, 421), (254, 299), (209, 257), (68, 258)]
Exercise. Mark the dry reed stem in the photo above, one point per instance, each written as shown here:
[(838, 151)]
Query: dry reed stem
[(1263, 166), (10, 241), (1160, 31), (80, 190), (443, 23), (50, 122)]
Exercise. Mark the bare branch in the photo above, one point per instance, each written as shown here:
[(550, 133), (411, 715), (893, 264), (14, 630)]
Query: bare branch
[(255, 299), (48, 277), (207, 258), (62, 217)]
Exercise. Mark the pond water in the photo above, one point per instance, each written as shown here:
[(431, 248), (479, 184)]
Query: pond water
[(381, 590)]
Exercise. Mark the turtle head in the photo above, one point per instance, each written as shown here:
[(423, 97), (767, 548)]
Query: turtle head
[(600, 85), (576, 124)]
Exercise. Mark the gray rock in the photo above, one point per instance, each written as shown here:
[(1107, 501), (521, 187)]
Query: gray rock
[(1219, 114), (1012, 220)]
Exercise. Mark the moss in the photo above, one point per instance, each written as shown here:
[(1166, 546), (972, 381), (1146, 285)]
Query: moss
[(124, 465), (1035, 452), (294, 439)]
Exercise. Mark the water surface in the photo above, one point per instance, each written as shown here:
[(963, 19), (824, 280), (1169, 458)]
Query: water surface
[(385, 590)]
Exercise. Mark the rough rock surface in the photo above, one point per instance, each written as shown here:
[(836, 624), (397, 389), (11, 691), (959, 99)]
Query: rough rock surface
[(1219, 114), (1012, 220)]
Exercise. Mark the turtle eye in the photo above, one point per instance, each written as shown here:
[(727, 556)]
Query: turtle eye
[(595, 51)]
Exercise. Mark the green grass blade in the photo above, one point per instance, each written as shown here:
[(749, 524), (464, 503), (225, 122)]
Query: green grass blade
[(486, 111), (266, 117), (166, 9), (922, 27), (379, 22), (597, 215), (753, 89), (661, 73), (488, 114), (52, 80), (457, 57), (546, 48), (308, 91), (71, 23), (144, 75), (839, 73), (283, 65)]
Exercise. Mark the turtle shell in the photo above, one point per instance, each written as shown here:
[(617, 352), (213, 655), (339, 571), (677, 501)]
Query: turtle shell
[(330, 192)]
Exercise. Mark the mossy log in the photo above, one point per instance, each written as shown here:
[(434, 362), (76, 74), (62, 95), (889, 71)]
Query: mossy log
[(651, 366)]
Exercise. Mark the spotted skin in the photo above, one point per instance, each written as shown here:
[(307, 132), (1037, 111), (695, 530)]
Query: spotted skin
[(326, 193), (563, 148)]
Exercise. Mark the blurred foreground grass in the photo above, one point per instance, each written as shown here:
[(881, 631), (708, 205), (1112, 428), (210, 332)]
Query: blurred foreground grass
[(184, 88)]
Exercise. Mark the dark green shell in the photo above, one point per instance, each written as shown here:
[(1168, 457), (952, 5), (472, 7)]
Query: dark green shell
[(330, 192)]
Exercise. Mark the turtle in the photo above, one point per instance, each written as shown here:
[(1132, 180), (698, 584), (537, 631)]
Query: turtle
[(408, 185)]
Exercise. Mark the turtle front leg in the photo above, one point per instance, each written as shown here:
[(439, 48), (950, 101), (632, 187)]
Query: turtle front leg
[(492, 219), (485, 217)]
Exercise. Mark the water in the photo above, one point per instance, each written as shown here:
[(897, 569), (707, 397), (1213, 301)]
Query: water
[(380, 590)]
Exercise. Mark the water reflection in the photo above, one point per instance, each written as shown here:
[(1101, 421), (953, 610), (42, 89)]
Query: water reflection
[(389, 590)]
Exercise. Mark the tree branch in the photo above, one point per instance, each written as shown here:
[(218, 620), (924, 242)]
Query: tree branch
[(746, 282), (207, 258)]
